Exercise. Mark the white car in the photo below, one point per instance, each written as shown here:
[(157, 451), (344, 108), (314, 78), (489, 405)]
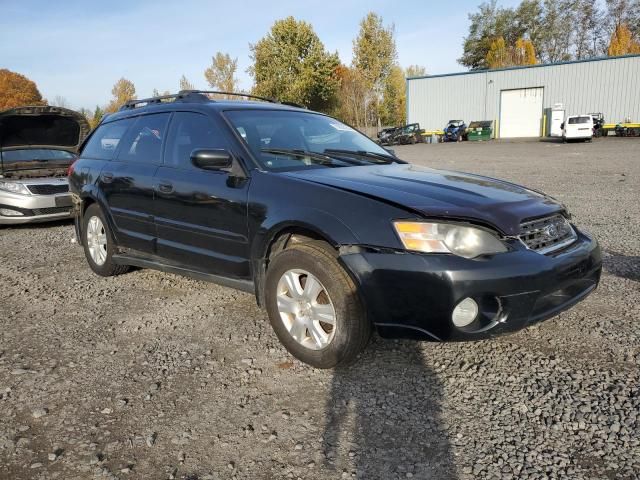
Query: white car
[(577, 127), (37, 145)]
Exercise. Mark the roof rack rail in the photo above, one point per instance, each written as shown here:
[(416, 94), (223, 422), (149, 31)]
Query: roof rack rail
[(247, 95), (147, 101), (198, 95), (233, 94)]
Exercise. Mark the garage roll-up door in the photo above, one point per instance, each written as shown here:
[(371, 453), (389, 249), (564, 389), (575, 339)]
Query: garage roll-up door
[(521, 112)]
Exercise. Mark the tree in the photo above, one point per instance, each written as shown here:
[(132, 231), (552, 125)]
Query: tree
[(623, 12), (60, 101), (555, 43), (524, 53), (98, 113), (123, 91), (622, 42), (498, 54), (588, 29), (156, 93), (374, 56), (415, 71), (17, 90), (351, 97), (291, 64), (501, 55), (488, 24), (393, 110), (86, 113), (528, 21), (221, 75), (185, 84)]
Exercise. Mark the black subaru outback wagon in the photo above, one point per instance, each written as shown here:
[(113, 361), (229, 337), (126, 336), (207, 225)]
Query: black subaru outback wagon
[(335, 235)]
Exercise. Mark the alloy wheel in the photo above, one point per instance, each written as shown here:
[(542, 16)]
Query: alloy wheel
[(97, 240), (306, 309)]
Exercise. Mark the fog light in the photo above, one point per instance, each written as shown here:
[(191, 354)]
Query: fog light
[(465, 312), (7, 212)]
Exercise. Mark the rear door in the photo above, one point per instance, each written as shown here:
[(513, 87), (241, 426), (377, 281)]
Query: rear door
[(201, 216), (579, 127), (128, 181)]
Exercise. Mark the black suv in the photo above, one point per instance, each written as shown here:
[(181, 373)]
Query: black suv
[(334, 235)]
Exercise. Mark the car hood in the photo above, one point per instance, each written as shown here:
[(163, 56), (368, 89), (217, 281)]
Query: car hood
[(440, 193), (38, 129), (42, 127)]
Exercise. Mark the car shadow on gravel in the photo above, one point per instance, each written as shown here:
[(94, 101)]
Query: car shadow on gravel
[(384, 417), (623, 266)]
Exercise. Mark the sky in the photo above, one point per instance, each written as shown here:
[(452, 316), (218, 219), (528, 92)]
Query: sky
[(78, 49)]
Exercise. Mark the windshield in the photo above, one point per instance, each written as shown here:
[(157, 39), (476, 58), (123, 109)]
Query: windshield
[(39, 154), (290, 140)]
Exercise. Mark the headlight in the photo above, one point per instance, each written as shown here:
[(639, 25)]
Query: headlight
[(467, 242), (14, 188)]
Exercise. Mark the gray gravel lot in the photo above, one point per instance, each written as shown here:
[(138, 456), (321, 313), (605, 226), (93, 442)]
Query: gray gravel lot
[(155, 376)]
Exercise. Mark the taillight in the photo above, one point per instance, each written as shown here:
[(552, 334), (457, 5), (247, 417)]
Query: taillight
[(70, 168)]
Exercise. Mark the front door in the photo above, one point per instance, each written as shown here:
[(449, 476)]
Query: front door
[(201, 215)]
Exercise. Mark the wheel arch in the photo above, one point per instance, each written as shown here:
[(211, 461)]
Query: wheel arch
[(282, 235), (89, 197)]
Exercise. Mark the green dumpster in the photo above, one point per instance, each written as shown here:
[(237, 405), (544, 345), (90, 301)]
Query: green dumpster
[(480, 130)]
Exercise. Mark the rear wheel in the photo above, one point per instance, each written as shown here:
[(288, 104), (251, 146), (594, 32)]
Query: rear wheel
[(313, 306), (98, 243)]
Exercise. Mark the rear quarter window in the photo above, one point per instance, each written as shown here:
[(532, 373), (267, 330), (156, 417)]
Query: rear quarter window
[(105, 140)]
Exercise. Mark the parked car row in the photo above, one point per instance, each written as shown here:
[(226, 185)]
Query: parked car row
[(405, 135), (334, 235)]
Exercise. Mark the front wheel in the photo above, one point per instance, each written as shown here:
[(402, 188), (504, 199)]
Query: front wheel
[(313, 306)]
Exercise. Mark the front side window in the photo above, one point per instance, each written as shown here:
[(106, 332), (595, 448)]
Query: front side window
[(143, 141), (188, 132), (105, 140), (287, 140)]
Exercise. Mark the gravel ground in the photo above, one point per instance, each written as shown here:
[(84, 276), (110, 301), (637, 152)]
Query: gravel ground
[(155, 376)]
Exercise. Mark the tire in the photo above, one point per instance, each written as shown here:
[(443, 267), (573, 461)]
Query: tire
[(106, 267), (351, 330)]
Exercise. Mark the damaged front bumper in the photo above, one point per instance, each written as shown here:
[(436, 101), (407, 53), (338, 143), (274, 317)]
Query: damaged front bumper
[(413, 295)]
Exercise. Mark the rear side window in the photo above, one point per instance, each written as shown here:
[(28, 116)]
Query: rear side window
[(143, 141), (105, 140), (575, 120), (188, 132)]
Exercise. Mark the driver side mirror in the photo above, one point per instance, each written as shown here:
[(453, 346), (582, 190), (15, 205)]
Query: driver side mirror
[(562, 126), (211, 159), (391, 151)]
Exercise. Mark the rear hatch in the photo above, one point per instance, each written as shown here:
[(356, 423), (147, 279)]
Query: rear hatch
[(39, 141)]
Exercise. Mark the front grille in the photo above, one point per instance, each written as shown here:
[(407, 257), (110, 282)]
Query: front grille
[(51, 210), (546, 235), (45, 189)]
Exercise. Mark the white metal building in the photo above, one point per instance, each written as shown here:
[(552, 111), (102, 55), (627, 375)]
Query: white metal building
[(518, 99)]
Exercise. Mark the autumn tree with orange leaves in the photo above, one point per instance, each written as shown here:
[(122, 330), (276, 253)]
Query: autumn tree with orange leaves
[(501, 55), (622, 42), (17, 90)]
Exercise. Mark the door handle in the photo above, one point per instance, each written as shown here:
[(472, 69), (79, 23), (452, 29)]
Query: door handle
[(165, 187), (107, 177)]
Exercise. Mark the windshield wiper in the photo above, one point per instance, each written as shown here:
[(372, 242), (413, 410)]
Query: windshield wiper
[(324, 159), (364, 154)]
